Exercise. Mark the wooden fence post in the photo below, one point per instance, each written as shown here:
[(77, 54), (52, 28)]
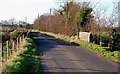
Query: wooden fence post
[(13, 46), (7, 45), (27, 34), (17, 43), (23, 36), (1, 58), (20, 39), (2, 53), (1, 65)]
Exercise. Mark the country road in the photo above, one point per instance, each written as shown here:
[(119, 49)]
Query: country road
[(59, 56)]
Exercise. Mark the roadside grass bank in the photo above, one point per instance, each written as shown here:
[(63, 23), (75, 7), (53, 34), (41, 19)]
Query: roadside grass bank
[(114, 56), (27, 61)]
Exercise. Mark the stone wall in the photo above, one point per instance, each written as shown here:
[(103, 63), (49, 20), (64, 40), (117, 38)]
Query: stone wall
[(85, 36)]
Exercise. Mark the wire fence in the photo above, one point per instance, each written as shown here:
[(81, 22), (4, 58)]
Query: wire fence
[(11, 46)]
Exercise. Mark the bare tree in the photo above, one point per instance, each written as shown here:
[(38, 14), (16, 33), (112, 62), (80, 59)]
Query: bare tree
[(113, 20), (99, 13)]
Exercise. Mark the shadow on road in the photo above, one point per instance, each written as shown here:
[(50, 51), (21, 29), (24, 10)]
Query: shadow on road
[(48, 42), (61, 56)]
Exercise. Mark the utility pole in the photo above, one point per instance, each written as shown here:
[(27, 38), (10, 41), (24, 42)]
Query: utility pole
[(66, 17), (50, 21), (26, 22), (67, 9), (26, 19), (38, 22)]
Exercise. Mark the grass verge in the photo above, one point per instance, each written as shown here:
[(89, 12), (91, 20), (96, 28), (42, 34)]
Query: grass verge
[(89, 46), (26, 61)]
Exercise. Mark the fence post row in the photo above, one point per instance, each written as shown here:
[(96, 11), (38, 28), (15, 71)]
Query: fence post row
[(7, 45), (2, 53), (15, 47), (17, 43)]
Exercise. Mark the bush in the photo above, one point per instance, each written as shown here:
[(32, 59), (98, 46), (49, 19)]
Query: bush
[(104, 38)]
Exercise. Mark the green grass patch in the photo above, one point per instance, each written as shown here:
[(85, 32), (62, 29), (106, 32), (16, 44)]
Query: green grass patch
[(26, 61), (89, 46)]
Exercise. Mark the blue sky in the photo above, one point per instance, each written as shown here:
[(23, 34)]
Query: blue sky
[(19, 9)]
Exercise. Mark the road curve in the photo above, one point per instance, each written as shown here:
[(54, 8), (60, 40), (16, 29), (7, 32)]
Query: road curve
[(59, 56)]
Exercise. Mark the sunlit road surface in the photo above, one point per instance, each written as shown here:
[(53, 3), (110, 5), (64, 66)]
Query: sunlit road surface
[(59, 56)]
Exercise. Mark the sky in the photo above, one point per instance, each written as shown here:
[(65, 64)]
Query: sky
[(20, 9)]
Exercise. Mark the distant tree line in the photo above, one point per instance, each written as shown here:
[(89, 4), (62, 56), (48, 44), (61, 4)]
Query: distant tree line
[(13, 24)]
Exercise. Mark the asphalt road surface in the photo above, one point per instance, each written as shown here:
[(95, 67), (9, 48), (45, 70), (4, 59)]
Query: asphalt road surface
[(59, 56)]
